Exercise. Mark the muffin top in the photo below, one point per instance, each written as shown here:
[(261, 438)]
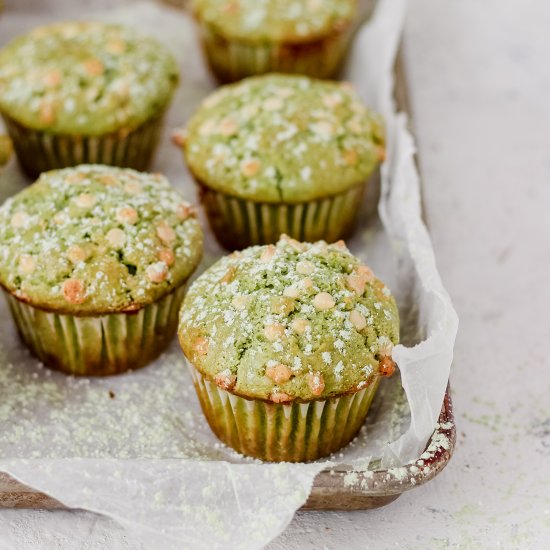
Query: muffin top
[(96, 239), (291, 21), (283, 138), (85, 78), (291, 321)]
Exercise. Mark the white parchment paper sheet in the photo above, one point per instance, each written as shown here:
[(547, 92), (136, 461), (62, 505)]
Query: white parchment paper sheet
[(136, 447)]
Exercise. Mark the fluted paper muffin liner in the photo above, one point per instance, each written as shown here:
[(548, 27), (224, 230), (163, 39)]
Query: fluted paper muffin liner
[(232, 60), (39, 151), (100, 345), (276, 432), (238, 223)]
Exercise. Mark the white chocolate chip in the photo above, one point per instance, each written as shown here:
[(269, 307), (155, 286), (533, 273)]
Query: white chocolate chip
[(280, 397), (132, 188), (250, 167), (281, 305), (115, 47), (357, 320), (365, 273), (284, 92), (305, 267), (116, 237), (179, 136), (332, 100), (184, 211), (316, 383), (274, 332), (356, 283), (108, 180), (291, 291), (323, 128), (93, 67), (52, 78), (165, 233), (386, 366), (74, 291), (350, 156), (166, 255), (76, 254), (227, 127), (385, 346), (323, 301), (19, 219), (358, 279), (47, 112), (27, 264), (299, 326), (127, 215), (307, 283), (293, 243), (355, 126), (267, 253), (340, 245), (240, 302), (85, 200), (225, 380), (229, 275), (157, 272), (279, 373), (74, 178), (207, 128), (200, 346), (273, 104), (60, 218), (248, 111)]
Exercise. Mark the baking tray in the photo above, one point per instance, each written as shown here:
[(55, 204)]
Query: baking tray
[(333, 489)]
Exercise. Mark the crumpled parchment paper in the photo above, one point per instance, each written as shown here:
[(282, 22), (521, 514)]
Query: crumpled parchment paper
[(136, 447)]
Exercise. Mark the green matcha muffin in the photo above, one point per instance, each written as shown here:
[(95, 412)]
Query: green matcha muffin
[(73, 93), (250, 37), (282, 154), (94, 261), (287, 344)]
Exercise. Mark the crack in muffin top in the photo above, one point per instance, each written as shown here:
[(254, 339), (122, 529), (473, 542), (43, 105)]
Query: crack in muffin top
[(292, 21), (85, 78), (291, 321), (96, 239), (283, 138)]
